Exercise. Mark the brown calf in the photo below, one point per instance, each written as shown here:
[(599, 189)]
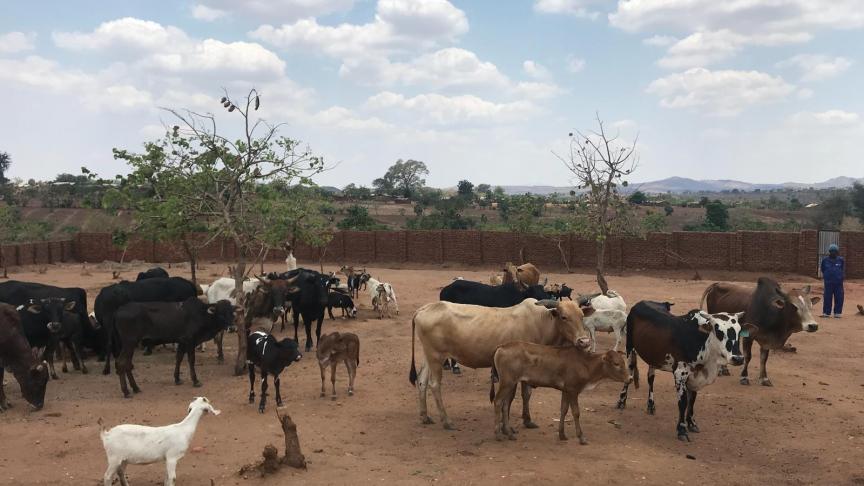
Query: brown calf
[(335, 347), (567, 368)]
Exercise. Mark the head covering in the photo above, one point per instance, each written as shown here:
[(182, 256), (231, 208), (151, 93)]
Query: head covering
[(833, 247)]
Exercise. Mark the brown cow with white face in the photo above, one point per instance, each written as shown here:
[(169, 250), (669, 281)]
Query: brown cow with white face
[(778, 315), (470, 334)]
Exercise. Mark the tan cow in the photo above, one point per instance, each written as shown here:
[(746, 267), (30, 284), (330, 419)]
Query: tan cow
[(470, 334), (526, 274)]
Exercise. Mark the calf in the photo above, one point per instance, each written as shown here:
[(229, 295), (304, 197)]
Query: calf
[(341, 301), (155, 272), (42, 321), (692, 347), (332, 349), (566, 368), (610, 320), (142, 444), (271, 356), (188, 324), (29, 371)]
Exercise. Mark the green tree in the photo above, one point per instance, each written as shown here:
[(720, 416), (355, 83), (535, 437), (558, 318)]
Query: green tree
[(358, 219), (703, 201), (5, 162), (831, 211), (668, 209), (638, 198), (465, 190), (213, 178), (654, 223), (858, 200), (403, 178), (716, 216), (355, 193)]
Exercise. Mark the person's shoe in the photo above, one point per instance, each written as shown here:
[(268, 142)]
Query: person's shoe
[(825, 315), (837, 316)]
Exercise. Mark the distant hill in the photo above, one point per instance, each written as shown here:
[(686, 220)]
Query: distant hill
[(684, 184)]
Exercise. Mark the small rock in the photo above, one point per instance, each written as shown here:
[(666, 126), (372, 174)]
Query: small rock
[(691, 457), (197, 449), (318, 451)]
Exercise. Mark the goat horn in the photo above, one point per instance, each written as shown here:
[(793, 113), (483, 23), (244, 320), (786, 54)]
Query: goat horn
[(548, 303)]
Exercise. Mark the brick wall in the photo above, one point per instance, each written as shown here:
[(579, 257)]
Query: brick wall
[(746, 250)]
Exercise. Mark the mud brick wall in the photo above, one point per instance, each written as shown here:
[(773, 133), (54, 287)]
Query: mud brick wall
[(769, 252)]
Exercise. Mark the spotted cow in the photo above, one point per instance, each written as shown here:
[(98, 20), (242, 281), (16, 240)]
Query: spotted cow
[(692, 347)]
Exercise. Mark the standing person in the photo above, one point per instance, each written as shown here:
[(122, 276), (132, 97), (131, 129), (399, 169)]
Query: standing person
[(833, 270)]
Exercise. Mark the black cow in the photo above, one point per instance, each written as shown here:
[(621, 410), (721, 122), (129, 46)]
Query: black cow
[(20, 293), (43, 321), (155, 272), (476, 293), (271, 356), (342, 301), (309, 298), (186, 324), (112, 297), (29, 371)]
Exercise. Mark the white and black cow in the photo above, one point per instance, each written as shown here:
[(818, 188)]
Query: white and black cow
[(271, 356), (692, 347)]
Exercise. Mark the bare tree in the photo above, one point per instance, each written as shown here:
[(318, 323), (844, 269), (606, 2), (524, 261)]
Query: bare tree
[(599, 164)]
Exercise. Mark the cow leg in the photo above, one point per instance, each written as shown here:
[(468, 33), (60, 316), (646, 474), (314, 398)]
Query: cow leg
[(263, 391), (190, 355), (323, 392), (352, 372), (508, 402), (120, 367), (763, 370), (330, 312), (276, 384), (4, 403), (455, 367), (307, 323), (682, 373), (318, 330), (634, 372), (181, 350), (691, 424), (565, 405), (76, 357), (651, 373), (747, 348), (251, 382), (333, 378), (296, 316), (574, 409), (526, 410), (435, 373), (108, 326), (422, 386), (50, 351), (220, 357), (61, 348)]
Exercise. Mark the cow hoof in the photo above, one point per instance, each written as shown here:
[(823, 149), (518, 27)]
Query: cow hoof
[(308, 347), (427, 421), (333, 398), (621, 405), (136, 390), (457, 370), (684, 437), (724, 372), (322, 395), (251, 400), (127, 395), (446, 365), (54, 376), (350, 393), (64, 369), (562, 437), (693, 428), (197, 384), (106, 372), (583, 441), (499, 436), (511, 437), (220, 359), (448, 426), (651, 408), (765, 382), (279, 403), (84, 370), (530, 425), (744, 380), (178, 381), (260, 409)]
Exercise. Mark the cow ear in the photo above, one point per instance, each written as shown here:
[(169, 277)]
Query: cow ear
[(779, 303), (70, 306), (587, 310), (211, 309), (554, 313), (815, 300), (34, 309)]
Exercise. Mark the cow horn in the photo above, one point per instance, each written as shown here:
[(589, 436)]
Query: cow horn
[(548, 303)]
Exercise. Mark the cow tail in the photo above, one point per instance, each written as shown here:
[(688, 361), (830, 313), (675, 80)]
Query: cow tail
[(492, 381), (630, 350), (358, 352), (707, 291), (412, 376)]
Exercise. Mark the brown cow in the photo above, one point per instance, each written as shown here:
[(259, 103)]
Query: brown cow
[(526, 274), (778, 315), (336, 347), (566, 368), (471, 333)]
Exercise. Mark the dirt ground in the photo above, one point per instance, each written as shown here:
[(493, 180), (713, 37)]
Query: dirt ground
[(807, 429)]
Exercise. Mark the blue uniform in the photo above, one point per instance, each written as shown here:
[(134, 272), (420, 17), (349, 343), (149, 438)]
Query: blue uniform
[(833, 272)]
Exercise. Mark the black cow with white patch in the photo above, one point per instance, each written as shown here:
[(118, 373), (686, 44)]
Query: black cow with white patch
[(341, 301), (692, 347), (271, 356)]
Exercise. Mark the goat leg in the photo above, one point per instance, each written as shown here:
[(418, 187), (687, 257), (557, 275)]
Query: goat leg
[(251, 367), (263, 392), (276, 382)]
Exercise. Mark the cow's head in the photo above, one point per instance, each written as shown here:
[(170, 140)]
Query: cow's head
[(51, 311), (223, 312), (724, 334), (798, 310), (33, 386), (291, 350), (615, 366), (569, 320)]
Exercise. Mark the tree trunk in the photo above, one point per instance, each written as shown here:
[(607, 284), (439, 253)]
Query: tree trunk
[(321, 252), (601, 257), (193, 261), (293, 455), (238, 272), (563, 255)]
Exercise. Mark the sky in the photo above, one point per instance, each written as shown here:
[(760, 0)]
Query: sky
[(763, 91)]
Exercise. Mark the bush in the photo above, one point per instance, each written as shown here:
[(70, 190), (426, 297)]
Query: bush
[(358, 219)]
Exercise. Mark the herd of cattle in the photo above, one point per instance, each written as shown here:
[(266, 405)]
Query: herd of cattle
[(527, 333)]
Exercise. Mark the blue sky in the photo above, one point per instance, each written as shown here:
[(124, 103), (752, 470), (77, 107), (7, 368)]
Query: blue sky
[(757, 90)]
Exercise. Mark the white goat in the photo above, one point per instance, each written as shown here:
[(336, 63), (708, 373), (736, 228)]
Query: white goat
[(391, 294), (609, 320), (140, 444)]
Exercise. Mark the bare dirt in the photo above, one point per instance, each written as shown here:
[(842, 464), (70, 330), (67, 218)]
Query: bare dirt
[(807, 429)]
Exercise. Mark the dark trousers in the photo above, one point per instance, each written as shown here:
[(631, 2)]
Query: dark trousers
[(833, 292)]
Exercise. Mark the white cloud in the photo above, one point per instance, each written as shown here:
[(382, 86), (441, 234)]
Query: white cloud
[(825, 118), (535, 70), (537, 90), (722, 93), (817, 67), (576, 8), (575, 64), (207, 14), (118, 98), (124, 33), (705, 48), (280, 10), (447, 110), (13, 42), (399, 25), (659, 40), (211, 55), (345, 119), (38, 72)]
